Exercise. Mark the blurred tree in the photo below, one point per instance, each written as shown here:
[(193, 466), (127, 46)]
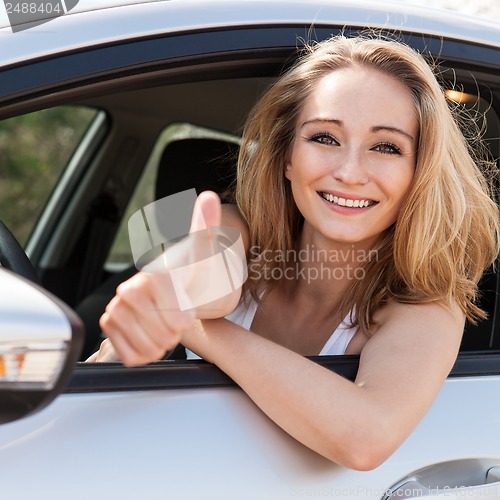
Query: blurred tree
[(34, 150)]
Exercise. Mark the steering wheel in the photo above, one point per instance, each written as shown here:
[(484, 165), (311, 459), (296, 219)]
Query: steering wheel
[(12, 256)]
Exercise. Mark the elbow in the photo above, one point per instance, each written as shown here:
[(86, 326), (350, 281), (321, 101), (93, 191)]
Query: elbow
[(363, 452), (220, 307), (364, 460)]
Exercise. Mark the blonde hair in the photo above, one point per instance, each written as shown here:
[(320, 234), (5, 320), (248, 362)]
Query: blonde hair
[(447, 231)]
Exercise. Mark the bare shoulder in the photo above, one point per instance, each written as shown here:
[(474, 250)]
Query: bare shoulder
[(433, 318), (407, 322), (231, 216), (407, 359), (413, 336)]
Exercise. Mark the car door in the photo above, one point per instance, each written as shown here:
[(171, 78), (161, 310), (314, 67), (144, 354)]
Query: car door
[(181, 428)]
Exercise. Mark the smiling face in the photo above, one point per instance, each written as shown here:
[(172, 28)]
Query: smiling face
[(353, 157)]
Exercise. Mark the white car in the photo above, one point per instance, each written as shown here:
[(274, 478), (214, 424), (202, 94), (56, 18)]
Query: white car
[(106, 106)]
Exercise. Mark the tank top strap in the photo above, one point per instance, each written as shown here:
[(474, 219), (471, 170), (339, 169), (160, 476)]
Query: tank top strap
[(244, 312), (340, 338)]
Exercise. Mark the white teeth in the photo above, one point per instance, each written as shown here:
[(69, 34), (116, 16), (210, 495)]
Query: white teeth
[(343, 202)]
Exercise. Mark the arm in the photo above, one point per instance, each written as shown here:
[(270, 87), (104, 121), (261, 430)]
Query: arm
[(360, 424)]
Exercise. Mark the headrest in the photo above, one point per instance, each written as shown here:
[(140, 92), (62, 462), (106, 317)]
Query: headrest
[(196, 163)]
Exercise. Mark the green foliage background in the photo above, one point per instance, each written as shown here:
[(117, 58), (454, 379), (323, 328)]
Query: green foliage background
[(34, 149)]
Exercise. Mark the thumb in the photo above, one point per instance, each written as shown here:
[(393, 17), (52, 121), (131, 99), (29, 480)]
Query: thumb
[(206, 212), (200, 244)]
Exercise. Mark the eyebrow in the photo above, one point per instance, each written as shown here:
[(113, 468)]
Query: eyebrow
[(377, 128)]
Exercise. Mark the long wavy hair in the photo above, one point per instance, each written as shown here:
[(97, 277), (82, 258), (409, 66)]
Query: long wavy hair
[(447, 231)]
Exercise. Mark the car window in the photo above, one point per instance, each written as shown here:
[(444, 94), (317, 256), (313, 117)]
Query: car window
[(480, 118), (34, 150), (120, 255)]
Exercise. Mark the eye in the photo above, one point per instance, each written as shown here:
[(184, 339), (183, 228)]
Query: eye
[(387, 148), (324, 138)]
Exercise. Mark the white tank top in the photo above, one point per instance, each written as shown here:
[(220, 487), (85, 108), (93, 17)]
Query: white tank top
[(244, 314)]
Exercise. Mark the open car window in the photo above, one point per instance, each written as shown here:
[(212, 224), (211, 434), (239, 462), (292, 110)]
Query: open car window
[(35, 149), (479, 118), (120, 255)]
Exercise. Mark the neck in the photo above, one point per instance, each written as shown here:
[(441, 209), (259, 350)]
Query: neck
[(323, 270)]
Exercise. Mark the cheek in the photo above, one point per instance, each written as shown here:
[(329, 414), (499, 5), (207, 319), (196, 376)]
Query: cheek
[(305, 165), (407, 180), (401, 185)]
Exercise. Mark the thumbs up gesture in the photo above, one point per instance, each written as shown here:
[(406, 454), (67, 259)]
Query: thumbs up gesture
[(199, 277)]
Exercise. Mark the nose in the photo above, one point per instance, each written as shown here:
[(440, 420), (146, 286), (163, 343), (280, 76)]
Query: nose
[(351, 167)]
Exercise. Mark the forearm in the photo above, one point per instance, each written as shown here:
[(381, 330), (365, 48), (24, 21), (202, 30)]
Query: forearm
[(319, 408)]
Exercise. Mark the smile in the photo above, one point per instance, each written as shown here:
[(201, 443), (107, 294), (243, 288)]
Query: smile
[(347, 202)]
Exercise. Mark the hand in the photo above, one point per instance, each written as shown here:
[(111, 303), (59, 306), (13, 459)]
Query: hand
[(145, 318), (105, 354)]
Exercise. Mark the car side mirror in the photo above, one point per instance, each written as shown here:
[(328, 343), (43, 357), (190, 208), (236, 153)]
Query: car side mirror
[(40, 342)]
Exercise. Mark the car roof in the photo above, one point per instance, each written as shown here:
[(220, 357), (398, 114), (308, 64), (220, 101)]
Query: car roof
[(94, 22)]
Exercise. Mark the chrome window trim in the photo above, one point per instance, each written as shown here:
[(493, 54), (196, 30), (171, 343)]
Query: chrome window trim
[(66, 185)]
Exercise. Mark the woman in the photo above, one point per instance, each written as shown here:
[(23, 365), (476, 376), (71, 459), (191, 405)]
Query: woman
[(364, 215)]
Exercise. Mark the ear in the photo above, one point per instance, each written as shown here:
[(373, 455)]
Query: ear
[(288, 168)]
